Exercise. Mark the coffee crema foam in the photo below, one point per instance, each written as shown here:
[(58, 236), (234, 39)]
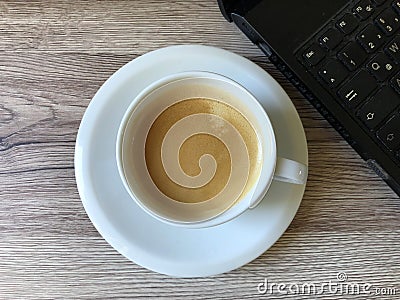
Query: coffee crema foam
[(199, 149)]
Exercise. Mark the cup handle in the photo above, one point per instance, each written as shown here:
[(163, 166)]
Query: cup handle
[(287, 170), (290, 171)]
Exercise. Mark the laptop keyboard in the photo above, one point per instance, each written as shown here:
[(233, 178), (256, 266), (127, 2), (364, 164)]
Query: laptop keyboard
[(356, 57)]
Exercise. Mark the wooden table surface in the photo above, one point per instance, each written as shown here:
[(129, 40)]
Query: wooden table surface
[(54, 57)]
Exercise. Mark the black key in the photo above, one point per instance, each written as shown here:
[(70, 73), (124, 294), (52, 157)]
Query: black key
[(393, 49), (396, 6), (395, 82), (379, 2), (333, 73), (331, 38), (347, 24), (381, 67), (379, 107), (389, 134), (371, 38), (363, 9), (357, 89), (313, 55), (352, 56), (388, 21)]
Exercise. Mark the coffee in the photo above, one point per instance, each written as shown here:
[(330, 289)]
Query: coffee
[(195, 148)]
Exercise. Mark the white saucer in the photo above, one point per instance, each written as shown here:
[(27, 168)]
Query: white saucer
[(153, 244)]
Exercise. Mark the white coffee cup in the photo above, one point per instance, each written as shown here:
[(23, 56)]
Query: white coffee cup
[(167, 91)]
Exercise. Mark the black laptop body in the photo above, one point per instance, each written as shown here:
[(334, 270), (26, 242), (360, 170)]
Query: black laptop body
[(344, 57)]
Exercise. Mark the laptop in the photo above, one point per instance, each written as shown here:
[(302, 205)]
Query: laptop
[(344, 57)]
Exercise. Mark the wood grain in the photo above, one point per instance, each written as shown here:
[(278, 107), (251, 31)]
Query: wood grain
[(54, 57)]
